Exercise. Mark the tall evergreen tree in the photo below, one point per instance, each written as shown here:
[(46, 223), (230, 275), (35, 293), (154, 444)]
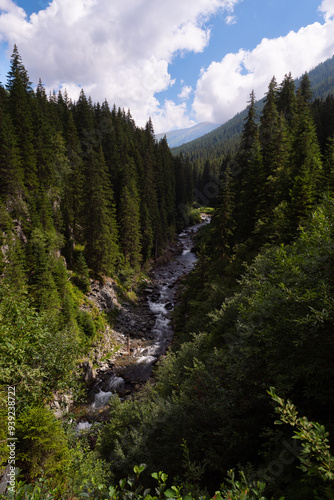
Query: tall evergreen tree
[(250, 180), (165, 178), (275, 150), (183, 181), (304, 91), (328, 165), (43, 134), (101, 235), (223, 223), (41, 284), (286, 100), (20, 107), (150, 216), (306, 174), (129, 218), (11, 174), (72, 199), (84, 119)]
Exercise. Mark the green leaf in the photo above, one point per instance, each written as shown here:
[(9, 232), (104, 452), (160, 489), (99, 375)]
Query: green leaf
[(170, 493)]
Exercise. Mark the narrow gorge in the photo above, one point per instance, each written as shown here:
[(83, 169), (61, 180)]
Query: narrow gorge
[(143, 331)]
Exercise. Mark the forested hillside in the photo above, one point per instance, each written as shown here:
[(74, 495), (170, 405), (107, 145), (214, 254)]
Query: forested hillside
[(84, 194), (208, 152), (256, 313)]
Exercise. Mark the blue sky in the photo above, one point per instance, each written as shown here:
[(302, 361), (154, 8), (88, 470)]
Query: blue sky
[(254, 20), (180, 62)]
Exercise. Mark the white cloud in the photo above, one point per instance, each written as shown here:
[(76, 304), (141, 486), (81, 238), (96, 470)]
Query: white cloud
[(224, 87), (327, 7), (185, 92), (121, 50), (230, 20), (171, 117), (118, 50)]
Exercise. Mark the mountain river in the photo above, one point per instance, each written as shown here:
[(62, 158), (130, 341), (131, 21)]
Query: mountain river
[(160, 299)]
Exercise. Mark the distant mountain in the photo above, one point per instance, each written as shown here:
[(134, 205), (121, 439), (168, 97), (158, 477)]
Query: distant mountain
[(225, 138), (178, 137)]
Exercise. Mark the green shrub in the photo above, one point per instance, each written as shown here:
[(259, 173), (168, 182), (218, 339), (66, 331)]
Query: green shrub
[(86, 324), (42, 444)]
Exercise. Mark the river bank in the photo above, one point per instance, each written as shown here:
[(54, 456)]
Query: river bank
[(143, 330)]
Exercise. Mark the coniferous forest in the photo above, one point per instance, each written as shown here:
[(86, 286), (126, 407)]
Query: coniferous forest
[(242, 404)]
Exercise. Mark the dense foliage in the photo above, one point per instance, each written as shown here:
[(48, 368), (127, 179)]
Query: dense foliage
[(240, 331), (208, 152), (84, 194)]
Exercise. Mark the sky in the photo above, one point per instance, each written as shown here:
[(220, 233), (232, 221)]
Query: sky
[(180, 62)]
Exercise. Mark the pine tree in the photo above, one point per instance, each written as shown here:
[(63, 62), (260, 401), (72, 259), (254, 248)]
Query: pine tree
[(275, 151), (101, 235), (84, 119), (249, 183), (72, 198), (184, 181), (277, 185), (81, 273), (129, 217), (41, 284), (165, 178), (286, 100), (20, 107), (43, 134), (223, 224), (206, 178), (306, 172), (11, 186), (304, 91), (165, 186), (328, 164), (150, 216)]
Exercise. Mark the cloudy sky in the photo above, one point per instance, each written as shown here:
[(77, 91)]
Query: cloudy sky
[(179, 61)]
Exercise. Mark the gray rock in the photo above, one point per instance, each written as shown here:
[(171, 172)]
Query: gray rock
[(87, 372)]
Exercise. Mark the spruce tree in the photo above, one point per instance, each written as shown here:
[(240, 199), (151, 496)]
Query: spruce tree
[(306, 164), (41, 284), (249, 183), (101, 235), (223, 223), (286, 100), (328, 164), (150, 216), (11, 174), (20, 107), (129, 218), (72, 192), (304, 91), (165, 178), (275, 146), (84, 119), (43, 134)]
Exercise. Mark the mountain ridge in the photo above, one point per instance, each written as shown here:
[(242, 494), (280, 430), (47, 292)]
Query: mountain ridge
[(176, 138), (225, 137)]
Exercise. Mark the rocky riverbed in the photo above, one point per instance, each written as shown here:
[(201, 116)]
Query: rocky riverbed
[(143, 331)]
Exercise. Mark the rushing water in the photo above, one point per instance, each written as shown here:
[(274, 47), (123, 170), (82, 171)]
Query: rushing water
[(161, 300)]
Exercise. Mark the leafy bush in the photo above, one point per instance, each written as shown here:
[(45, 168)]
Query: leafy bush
[(35, 355), (86, 323), (276, 329), (42, 445)]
